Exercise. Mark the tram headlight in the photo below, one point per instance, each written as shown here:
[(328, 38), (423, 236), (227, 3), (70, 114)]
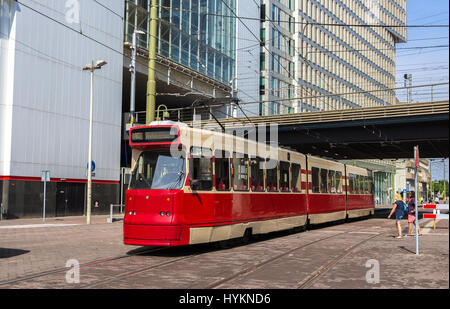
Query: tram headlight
[(134, 213), (162, 213), (130, 213), (168, 213)]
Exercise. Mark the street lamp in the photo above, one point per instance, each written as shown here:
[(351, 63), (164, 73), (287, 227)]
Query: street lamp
[(91, 68)]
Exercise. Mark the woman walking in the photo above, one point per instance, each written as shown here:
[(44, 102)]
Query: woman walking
[(412, 214), (399, 209)]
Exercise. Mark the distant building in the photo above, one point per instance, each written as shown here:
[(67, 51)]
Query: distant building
[(405, 177), (321, 48)]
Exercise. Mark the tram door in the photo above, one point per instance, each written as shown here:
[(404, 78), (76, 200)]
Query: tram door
[(69, 199)]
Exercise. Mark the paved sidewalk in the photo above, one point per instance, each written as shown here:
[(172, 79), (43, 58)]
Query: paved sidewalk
[(27, 246)]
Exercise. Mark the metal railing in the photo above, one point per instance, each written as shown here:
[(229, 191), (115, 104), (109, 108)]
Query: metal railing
[(111, 218), (399, 110)]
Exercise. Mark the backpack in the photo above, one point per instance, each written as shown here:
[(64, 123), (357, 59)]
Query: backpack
[(405, 208)]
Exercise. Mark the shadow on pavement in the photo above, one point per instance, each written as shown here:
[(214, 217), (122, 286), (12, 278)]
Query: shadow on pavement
[(6, 253)]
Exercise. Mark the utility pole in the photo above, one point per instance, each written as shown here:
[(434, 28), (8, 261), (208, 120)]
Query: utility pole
[(445, 184), (133, 76), (416, 199), (151, 85)]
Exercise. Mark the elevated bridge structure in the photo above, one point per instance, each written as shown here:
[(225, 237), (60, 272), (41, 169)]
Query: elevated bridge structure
[(388, 132)]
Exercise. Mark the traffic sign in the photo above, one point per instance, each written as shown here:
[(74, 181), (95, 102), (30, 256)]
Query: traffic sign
[(93, 166), (45, 176)]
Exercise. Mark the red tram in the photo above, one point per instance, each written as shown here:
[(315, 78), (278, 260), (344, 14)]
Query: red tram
[(192, 186)]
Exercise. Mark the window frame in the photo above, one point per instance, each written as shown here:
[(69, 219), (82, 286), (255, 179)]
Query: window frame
[(261, 170), (225, 157), (245, 157), (192, 166), (267, 177), (298, 184), (283, 171), (323, 185), (315, 187)]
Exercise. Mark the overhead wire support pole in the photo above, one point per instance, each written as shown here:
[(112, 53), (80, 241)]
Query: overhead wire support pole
[(416, 198), (151, 84), (133, 77)]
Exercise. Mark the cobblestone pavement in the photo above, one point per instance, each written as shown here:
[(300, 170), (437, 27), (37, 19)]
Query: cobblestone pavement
[(332, 256), (29, 246)]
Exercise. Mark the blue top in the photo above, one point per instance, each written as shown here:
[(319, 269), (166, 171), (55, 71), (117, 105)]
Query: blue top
[(399, 211)]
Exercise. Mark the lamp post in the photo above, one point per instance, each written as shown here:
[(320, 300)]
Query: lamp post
[(91, 68)]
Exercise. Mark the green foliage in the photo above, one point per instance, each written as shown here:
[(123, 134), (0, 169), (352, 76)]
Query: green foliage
[(438, 186)]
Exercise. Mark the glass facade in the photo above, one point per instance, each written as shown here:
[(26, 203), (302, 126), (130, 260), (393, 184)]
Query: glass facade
[(329, 67), (197, 34)]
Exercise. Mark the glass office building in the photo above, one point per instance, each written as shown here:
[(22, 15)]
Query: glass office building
[(197, 34), (329, 54)]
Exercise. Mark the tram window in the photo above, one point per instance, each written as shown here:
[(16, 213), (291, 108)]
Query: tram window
[(296, 179), (338, 184), (351, 181), (200, 171), (240, 172), (361, 184), (284, 176), (315, 180), (257, 175), (222, 170), (331, 185), (158, 171), (356, 182), (323, 180), (272, 182)]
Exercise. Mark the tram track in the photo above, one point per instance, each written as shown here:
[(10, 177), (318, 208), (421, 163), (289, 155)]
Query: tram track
[(162, 264), (310, 279), (84, 265), (124, 275), (328, 266)]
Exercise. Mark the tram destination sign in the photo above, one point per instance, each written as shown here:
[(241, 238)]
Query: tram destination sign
[(154, 135)]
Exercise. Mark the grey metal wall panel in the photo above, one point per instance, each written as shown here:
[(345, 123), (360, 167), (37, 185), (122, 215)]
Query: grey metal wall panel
[(50, 116)]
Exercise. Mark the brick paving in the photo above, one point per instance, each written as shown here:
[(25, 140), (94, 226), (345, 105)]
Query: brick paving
[(35, 250), (29, 250)]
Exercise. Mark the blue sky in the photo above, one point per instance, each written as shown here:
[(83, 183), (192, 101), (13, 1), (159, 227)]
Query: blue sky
[(426, 65), (437, 170)]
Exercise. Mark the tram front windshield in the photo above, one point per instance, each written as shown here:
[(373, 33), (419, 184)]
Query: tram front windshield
[(158, 171)]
